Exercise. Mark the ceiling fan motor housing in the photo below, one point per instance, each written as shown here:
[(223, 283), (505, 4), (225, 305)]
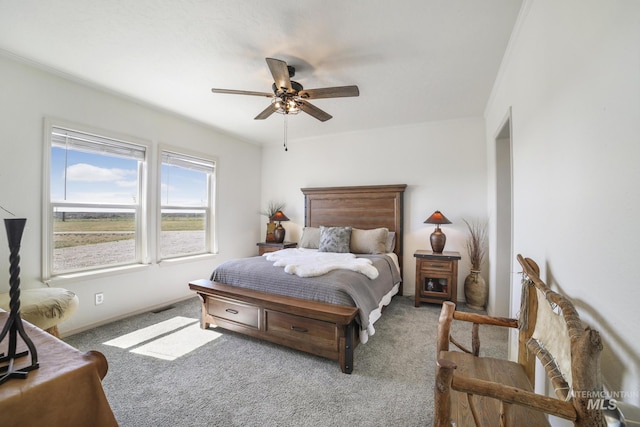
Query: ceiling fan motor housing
[(297, 87)]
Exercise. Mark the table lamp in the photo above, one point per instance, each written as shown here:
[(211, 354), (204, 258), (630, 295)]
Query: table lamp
[(438, 239), (279, 231)]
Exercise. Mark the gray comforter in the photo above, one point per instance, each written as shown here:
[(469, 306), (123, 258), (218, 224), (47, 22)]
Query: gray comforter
[(336, 287)]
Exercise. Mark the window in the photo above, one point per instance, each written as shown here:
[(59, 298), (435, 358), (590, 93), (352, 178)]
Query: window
[(94, 209), (186, 199)]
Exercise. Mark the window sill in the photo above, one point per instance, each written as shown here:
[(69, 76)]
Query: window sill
[(186, 259), (94, 274)]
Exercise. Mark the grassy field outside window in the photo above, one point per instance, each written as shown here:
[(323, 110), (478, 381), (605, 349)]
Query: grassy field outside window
[(85, 231)]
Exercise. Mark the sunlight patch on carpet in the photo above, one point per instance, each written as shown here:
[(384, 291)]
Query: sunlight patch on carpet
[(177, 344), (150, 332)]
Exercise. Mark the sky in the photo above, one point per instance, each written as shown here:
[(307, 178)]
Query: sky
[(99, 178)]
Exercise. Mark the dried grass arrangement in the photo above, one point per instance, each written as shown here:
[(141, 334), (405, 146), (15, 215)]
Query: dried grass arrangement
[(272, 208), (476, 243)]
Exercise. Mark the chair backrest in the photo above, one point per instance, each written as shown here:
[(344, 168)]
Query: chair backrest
[(551, 329)]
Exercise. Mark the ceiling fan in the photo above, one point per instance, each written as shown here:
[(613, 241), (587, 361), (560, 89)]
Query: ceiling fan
[(289, 97)]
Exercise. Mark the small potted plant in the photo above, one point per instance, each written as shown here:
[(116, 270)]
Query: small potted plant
[(475, 287), (272, 208)]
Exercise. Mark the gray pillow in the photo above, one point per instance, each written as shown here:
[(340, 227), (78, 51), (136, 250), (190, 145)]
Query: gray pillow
[(368, 241), (391, 242), (310, 238), (334, 239)]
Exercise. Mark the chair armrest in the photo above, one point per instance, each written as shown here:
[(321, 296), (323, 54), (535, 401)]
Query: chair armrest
[(484, 319), (102, 366), (449, 313), (514, 395)]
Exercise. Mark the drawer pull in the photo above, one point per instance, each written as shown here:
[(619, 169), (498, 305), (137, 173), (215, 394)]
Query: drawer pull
[(232, 311), (299, 329)]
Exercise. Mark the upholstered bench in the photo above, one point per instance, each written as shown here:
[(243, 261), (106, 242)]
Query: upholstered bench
[(44, 307)]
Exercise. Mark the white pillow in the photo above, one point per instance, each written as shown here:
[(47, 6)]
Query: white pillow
[(368, 241)]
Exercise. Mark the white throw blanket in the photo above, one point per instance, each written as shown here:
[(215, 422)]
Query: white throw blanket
[(311, 263)]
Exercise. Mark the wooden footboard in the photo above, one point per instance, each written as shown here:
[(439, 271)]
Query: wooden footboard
[(322, 329)]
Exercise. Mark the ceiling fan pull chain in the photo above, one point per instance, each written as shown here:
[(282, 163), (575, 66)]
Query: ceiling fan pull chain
[(285, 132)]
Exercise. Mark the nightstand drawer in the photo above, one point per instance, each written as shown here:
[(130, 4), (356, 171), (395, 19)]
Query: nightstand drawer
[(435, 265), (264, 247), (234, 311)]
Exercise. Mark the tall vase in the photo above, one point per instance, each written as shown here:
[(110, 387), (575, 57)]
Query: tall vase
[(271, 228), (475, 290)]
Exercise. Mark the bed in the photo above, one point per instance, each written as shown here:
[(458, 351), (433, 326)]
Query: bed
[(330, 330)]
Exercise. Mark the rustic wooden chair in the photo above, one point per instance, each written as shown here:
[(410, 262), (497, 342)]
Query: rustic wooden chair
[(471, 390)]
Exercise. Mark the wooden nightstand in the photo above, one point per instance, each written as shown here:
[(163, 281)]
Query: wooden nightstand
[(436, 276), (264, 247)]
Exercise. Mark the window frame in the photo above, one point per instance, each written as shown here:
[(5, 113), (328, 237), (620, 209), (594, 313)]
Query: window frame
[(141, 208), (210, 209)]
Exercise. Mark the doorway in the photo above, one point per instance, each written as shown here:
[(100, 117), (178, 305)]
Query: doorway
[(504, 221)]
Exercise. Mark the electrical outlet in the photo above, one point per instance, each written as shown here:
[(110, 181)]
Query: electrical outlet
[(99, 298)]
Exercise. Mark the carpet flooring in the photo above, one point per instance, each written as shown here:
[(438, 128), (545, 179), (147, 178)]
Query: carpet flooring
[(166, 371)]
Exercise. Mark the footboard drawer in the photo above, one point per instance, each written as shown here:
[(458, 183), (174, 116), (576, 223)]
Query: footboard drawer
[(301, 329), (234, 311)]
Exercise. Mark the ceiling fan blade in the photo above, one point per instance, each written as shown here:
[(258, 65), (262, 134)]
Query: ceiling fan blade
[(265, 113), (330, 92), (242, 92), (314, 111), (280, 73)]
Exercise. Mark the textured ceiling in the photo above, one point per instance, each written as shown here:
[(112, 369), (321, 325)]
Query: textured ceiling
[(413, 60)]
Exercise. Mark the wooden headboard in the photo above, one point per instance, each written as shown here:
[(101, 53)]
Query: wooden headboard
[(365, 207)]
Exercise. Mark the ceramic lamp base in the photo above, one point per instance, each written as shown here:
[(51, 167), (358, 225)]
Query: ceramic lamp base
[(279, 233), (438, 240)]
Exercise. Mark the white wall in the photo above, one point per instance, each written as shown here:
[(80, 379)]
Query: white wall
[(572, 78), (28, 95), (443, 164)]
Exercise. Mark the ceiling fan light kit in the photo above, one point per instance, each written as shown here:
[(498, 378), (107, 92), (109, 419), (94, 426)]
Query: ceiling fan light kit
[(290, 97), (285, 106)]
